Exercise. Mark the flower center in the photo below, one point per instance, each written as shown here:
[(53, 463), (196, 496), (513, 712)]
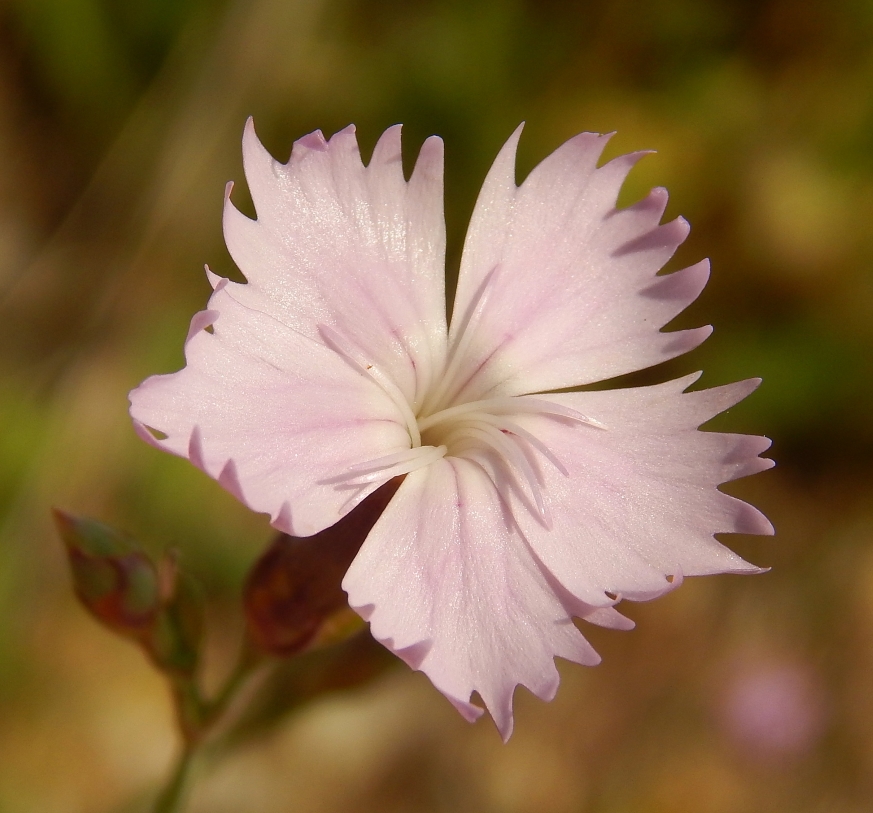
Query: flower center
[(486, 432)]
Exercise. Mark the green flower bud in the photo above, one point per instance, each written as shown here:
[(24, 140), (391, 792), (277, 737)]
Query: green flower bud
[(126, 591), (112, 575)]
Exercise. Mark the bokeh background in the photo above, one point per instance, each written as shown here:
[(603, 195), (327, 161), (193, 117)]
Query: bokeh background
[(119, 126)]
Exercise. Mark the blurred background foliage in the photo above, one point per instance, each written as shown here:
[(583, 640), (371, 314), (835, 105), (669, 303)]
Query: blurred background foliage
[(119, 126)]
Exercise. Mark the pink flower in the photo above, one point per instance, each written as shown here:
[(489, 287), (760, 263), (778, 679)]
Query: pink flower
[(772, 709), (333, 370)]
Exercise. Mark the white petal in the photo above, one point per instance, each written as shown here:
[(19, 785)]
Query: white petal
[(641, 501), (449, 585), (575, 295), (271, 414), (356, 248)]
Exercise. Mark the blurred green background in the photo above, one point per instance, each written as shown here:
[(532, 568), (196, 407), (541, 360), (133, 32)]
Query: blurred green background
[(120, 123)]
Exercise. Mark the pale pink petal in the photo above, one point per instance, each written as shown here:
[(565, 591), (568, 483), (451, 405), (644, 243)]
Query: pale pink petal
[(272, 415), (356, 248), (448, 584), (640, 502), (571, 282)]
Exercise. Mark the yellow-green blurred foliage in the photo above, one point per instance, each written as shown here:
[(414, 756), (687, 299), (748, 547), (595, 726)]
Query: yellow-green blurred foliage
[(119, 126)]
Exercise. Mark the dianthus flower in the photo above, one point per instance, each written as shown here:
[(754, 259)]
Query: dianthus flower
[(333, 370)]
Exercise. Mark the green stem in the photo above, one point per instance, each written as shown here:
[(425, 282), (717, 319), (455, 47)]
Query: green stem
[(215, 709), (197, 718), (172, 796)]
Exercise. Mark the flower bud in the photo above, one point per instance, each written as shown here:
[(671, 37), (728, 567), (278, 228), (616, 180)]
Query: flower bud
[(126, 591), (293, 598), (112, 576)]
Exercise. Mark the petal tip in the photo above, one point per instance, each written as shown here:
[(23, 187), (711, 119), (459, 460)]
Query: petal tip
[(215, 280), (195, 449), (311, 142), (282, 519), (469, 711), (143, 431), (229, 480), (200, 322), (388, 147), (684, 341)]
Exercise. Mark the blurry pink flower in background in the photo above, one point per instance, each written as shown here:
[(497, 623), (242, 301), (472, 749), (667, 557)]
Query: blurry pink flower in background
[(334, 370), (773, 710)]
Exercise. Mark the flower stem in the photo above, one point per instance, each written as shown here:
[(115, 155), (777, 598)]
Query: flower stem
[(197, 718), (172, 796), (214, 710)]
